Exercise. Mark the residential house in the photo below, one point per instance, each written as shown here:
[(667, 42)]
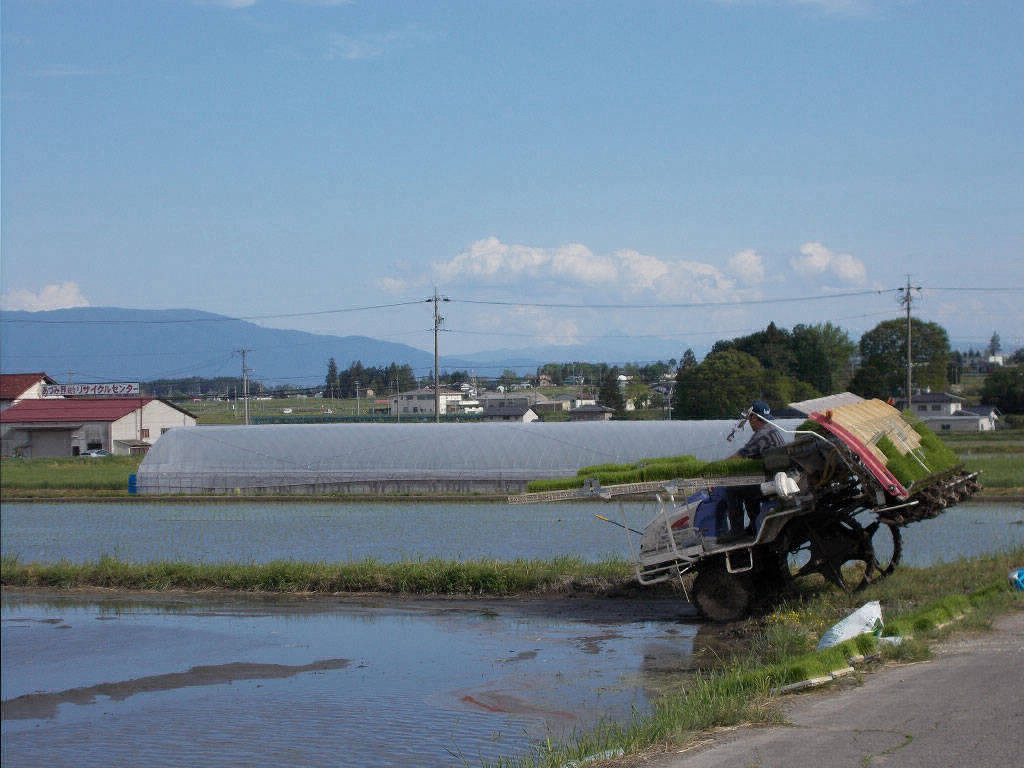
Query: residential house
[(420, 402), (521, 415), (942, 412), (591, 413), (932, 404)]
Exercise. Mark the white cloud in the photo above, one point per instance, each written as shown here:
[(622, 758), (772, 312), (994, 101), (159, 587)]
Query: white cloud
[(62, 296), (642, 272), (496, 263), (748, 266), (817, 260), (574, 267)]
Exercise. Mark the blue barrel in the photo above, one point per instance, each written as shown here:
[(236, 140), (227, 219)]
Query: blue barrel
[(133, 486)]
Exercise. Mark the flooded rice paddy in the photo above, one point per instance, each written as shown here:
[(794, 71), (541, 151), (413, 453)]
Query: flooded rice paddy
[(331, 532), (236, 682), (99, 679)]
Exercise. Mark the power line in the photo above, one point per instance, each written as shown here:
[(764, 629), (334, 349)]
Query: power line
[(214, 319), (685, 305), (498, 303), (976, 290)]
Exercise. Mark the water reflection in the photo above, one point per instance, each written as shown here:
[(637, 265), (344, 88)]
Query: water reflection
[(330, 683)]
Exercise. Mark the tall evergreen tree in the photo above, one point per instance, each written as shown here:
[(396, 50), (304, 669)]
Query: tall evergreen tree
[(994, 344), (331, 383), (684, 380), (610, 395)]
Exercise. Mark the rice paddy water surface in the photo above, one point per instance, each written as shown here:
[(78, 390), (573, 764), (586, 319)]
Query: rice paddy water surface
[(173, 679), (248, 532), (243, 681)]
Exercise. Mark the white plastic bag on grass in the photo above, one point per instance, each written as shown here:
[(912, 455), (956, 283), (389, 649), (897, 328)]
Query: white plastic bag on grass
[(865, 620)]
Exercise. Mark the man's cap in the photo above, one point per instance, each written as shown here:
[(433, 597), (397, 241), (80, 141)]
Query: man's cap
[(762, 409)]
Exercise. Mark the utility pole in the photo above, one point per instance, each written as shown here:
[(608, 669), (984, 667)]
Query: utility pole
[(438, 321), (907, 299), (245, 384)]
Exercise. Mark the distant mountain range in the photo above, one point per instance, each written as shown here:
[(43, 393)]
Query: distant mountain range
[(93, 344)]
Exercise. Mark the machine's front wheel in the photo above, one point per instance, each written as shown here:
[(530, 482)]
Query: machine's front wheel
[(720, 595)]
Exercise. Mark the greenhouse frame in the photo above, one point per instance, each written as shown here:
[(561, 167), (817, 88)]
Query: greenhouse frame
[(382, 458)]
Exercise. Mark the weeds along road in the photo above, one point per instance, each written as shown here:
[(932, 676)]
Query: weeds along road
[(962, 707)]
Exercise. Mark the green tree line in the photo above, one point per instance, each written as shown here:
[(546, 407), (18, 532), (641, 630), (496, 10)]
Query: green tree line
[(390, 378)]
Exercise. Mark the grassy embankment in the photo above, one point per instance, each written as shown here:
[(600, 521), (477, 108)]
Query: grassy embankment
[(432, 576), (919, 605)]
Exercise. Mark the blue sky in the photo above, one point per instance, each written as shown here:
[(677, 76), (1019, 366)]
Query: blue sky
[(278, 157)]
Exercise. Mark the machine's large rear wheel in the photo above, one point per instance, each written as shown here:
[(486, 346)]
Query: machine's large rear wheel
[(838, 550), (720, 595), (887, 545)]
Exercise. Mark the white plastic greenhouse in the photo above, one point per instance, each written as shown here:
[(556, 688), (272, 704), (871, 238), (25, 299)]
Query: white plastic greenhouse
[(411, 458)]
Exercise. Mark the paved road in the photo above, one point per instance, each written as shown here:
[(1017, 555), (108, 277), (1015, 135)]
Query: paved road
[(965, 707)]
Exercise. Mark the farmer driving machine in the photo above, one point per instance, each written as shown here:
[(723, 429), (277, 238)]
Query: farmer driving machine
[(829, 505)]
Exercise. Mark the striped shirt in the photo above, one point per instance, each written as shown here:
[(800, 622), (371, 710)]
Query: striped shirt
[(766, 438)]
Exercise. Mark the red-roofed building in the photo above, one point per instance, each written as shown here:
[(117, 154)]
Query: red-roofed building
[(71, 426), (15, 387)]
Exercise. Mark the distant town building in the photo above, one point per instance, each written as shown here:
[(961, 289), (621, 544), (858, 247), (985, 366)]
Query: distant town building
[(942, 412), (15, 387), (420, 402), (71, 426), (526, 399), (591, 413), (522, 415), (929, 404)]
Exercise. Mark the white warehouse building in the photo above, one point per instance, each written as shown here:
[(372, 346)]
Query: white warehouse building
[(36, 428)]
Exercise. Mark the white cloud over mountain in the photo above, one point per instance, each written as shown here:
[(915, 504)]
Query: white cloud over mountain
[(55, 296), (547, 287), (625, 274)]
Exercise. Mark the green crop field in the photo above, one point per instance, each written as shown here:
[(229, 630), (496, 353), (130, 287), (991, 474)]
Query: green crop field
[(80, 473), (999, 456), (230, 412)]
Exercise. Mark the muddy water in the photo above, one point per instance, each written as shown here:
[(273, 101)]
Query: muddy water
[(165, 680), (234, 682), (245, 532)]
